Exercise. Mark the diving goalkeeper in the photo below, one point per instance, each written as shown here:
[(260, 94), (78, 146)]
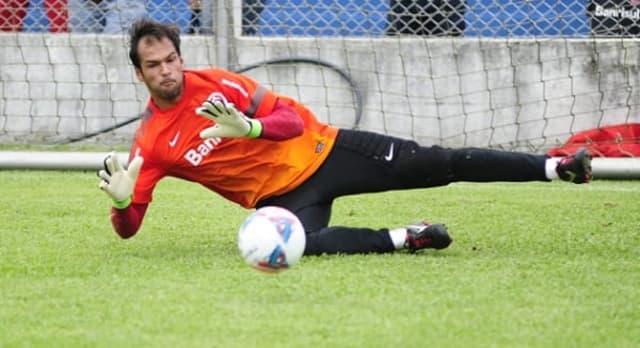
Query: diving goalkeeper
[(257, 148)]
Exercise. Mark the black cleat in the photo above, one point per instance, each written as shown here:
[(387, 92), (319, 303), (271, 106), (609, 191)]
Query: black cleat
[(575, 168), (422, 235)]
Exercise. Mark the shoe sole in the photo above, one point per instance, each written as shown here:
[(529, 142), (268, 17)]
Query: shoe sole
[(583, 156)]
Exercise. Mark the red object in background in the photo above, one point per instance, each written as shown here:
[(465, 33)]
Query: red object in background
[(12, 13), (622, 140)]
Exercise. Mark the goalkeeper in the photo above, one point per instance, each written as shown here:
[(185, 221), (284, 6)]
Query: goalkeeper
[(257, 148)]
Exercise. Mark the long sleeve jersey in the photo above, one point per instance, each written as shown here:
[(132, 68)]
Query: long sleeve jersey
[(242, 170)]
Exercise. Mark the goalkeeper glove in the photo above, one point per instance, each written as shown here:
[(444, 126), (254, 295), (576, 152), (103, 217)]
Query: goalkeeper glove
[(118, 182), (230, 123)]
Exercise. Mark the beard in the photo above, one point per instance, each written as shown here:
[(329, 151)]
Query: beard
[(168, 94)]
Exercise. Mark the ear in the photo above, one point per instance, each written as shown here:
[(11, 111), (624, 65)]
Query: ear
[(139, 75)]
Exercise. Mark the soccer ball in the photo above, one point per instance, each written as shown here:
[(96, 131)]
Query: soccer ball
[(271, 239)]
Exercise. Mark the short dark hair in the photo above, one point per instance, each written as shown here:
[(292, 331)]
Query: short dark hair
[(147, 27)]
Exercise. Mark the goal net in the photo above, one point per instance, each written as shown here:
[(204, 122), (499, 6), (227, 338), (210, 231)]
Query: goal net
[(508, 74)]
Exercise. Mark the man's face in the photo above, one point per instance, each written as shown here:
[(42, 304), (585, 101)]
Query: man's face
[(161, 70)]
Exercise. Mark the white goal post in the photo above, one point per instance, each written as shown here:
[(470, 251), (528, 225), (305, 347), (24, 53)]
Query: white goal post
[(603, 168)]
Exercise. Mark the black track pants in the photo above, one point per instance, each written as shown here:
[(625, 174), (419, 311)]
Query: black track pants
[(365, 162)]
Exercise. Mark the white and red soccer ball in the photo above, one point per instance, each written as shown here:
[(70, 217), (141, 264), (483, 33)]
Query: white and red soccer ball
[(271, 239)]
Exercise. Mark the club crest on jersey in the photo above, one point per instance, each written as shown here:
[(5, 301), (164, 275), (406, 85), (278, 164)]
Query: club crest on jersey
[(217, 96)]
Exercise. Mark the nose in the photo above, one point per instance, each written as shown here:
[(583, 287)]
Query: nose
[(164, 69)]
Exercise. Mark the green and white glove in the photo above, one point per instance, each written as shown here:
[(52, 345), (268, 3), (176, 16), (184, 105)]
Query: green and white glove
[(230, 123), (118, 182)]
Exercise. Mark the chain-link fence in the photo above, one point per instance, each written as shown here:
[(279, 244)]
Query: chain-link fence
[(102, 16), (475, 18)]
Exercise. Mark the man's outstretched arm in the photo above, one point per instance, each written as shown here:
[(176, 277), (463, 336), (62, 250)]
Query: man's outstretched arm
[(282, 123), (126, 222), (118, 182)]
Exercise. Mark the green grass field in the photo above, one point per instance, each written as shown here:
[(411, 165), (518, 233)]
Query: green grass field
[(531, 265)]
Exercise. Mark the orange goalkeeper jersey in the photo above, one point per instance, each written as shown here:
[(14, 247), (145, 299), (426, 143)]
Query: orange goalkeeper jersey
[(242, 170)]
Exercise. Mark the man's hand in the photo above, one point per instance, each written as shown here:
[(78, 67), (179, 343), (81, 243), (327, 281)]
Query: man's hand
[(230, 123), (118, 182)]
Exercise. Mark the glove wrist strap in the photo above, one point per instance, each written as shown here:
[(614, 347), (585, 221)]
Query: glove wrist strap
[(122, 204), (255, 129)]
